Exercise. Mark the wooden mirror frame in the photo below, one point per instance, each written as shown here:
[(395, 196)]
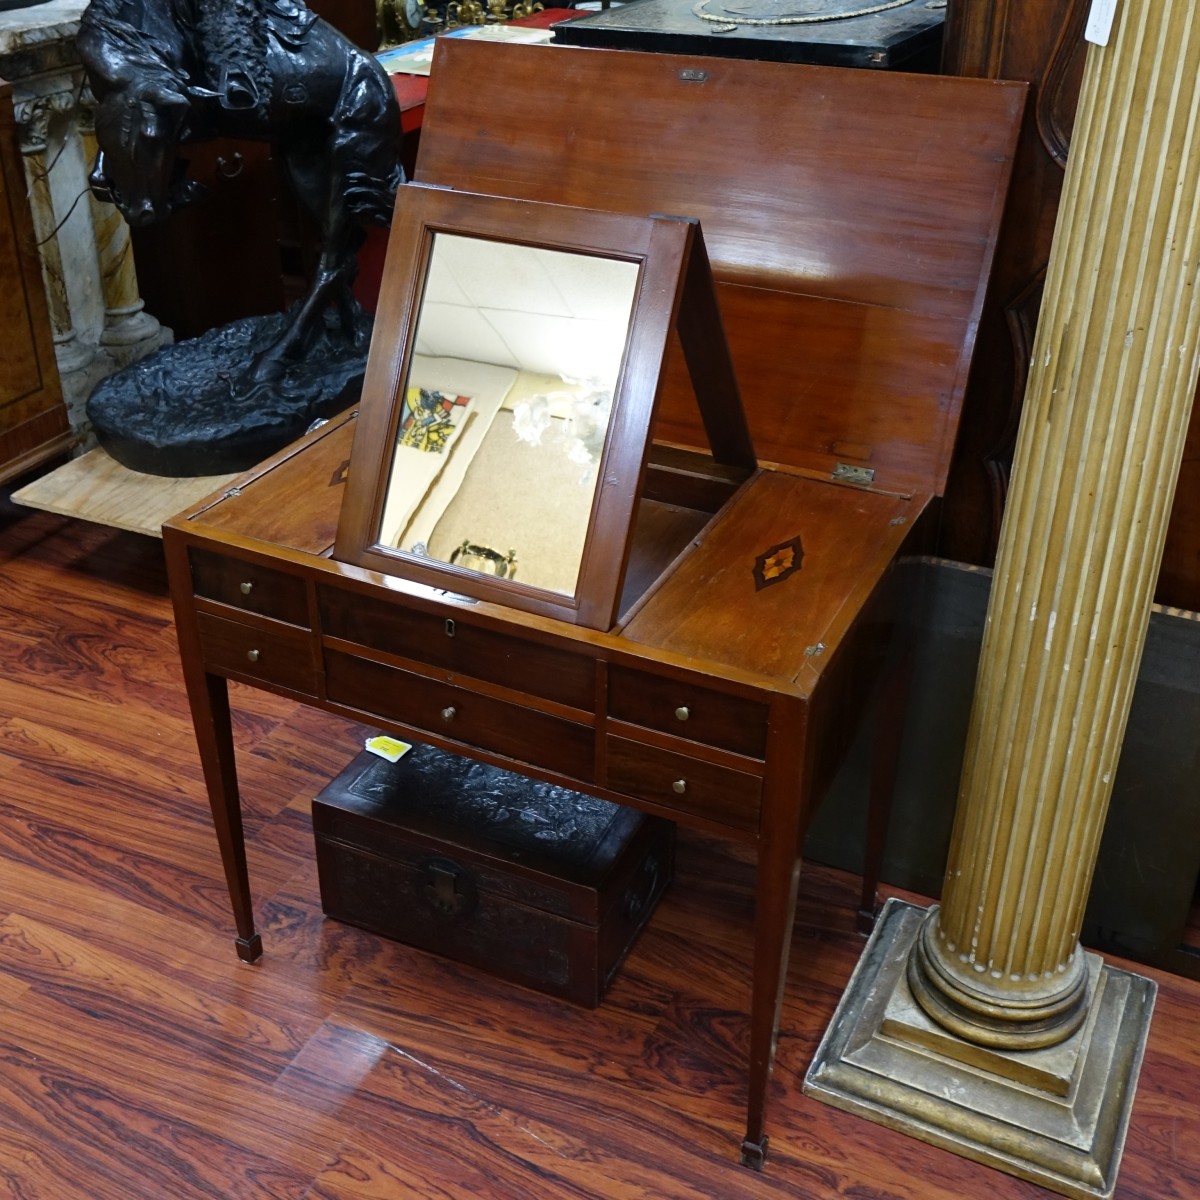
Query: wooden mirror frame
[(673, 276)]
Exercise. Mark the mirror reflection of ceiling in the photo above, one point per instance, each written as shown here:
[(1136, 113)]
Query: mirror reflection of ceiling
[(547, 311)]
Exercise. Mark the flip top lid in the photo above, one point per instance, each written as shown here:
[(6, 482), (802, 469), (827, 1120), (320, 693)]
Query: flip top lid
[(850, 218)]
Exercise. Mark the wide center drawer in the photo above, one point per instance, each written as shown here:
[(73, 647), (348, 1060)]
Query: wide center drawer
[(461, 647), (551, 743), (680, 782)]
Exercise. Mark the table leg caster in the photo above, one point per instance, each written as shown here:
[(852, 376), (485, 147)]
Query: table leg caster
[(754, 1154), (249, 949)]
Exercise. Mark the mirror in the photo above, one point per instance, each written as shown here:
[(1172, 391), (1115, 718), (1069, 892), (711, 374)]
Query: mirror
[(505, 408), (504, 425)]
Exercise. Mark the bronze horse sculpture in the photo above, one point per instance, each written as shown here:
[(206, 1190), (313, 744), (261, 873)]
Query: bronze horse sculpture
[(169, 72)]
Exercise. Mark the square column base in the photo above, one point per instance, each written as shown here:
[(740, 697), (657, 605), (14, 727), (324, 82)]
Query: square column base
[(1057, 1117)]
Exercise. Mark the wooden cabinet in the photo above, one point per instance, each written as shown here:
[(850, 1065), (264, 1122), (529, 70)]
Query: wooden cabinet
[(1043, 44), (218, 260), (33, 418)]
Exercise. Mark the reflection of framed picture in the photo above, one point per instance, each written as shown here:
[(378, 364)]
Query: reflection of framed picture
[(437, 438), (430, 419)]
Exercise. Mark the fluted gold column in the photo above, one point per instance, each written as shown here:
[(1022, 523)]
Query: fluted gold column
[(1106, 411), (1039, 1043)]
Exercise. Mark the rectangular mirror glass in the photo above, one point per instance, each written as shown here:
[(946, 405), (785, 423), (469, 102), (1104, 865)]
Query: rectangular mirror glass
[(505, 408), (504, 424)]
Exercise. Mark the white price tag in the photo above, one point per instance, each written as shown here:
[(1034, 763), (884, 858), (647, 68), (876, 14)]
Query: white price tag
[(1100, 21), (387, 747)]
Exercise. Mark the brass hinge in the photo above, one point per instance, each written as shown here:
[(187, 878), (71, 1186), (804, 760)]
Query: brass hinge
[(846, 473)]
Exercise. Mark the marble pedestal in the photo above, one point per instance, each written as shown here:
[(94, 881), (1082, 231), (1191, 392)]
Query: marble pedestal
[(98, 319)]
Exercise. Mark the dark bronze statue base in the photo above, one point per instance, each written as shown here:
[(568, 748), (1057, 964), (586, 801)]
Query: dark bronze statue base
[(191, 410)]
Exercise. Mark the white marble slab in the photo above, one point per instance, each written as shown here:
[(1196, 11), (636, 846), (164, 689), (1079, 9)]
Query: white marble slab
[(33, 26)]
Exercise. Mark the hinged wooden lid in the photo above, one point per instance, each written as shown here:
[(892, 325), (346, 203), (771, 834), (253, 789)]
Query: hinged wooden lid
[(850, 217)]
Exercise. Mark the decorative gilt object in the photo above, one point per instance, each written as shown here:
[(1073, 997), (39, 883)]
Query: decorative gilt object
[(982, 1025), (403, 21), (399, 21), (485, 560)]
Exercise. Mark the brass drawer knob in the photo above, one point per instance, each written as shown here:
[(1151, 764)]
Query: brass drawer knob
[(449, 712), (246, 588), (679, 786), (682, 713), (252, 655)]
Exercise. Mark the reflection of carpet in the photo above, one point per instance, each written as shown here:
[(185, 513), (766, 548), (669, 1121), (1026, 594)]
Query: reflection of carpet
[(186, 411), (531, 499)]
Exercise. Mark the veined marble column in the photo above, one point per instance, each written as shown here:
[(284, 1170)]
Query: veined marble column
[(1042, 1042), (34, 117), (126, 322)]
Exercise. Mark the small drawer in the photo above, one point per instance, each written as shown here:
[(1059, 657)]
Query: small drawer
[(279, 656), (249, 587), (526, 736), (687, 710), (456, 645), (678, 782)]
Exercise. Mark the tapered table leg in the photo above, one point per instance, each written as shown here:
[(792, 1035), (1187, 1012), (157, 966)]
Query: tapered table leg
[(885, 762), (778, 878), (208, 696), (209, 699)]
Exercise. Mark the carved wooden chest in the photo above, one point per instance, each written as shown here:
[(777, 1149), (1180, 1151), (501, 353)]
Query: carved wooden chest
[(535, 883)]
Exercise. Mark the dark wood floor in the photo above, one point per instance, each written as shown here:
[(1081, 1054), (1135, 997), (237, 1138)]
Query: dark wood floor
[(139, 1060)]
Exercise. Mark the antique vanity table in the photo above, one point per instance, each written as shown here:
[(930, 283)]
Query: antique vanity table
[(726, 597)]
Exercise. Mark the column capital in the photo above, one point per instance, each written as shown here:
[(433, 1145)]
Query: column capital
[(36, 113), (33, 115)]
